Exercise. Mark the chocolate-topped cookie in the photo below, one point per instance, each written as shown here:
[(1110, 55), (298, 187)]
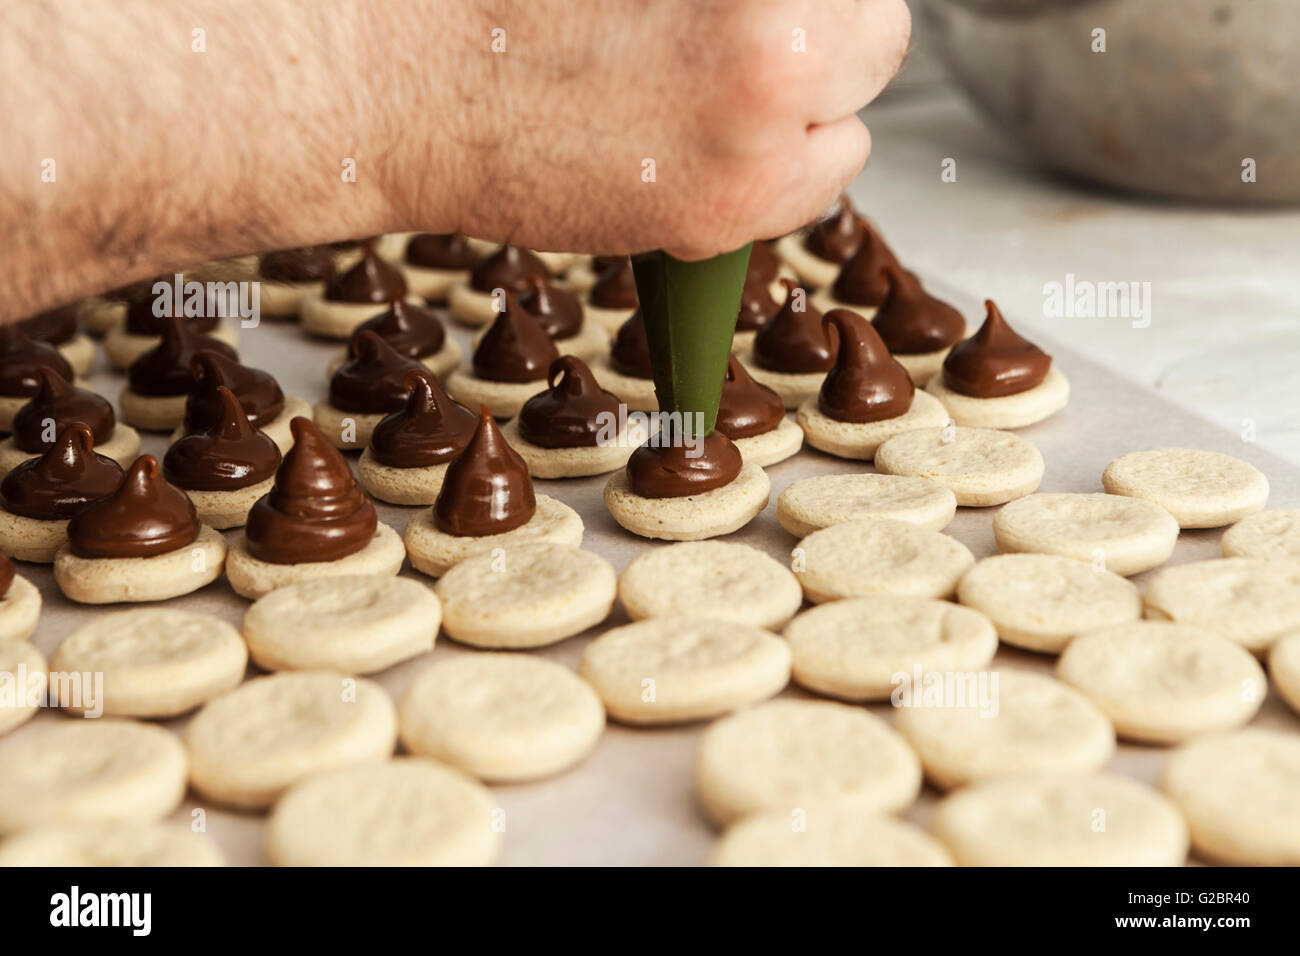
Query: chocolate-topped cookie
[(58, 327), (21, 357), (365, 388), (753, 417), (57, 404), (288, 276), (627, 370), (259, 394), (354, 295), (918, 328), (160, 380), (147, 317), (612, 298), (478, 299), (434, 263), (509, 363)]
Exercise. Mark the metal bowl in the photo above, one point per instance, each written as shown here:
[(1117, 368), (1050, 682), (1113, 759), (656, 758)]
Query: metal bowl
[(1186, 95)]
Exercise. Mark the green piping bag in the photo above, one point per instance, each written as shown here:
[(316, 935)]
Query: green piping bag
[(690, 311)]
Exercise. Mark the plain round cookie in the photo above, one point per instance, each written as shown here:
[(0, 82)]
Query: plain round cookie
[(859, 440), (1273, 535), (789, 755), (433, 551), (981, 466), (1040, 601), (249, 745), (881, 555), (155, 578), (672, 669), (503, 718), (855, 649), (20, 610), (1030, 723), (526, 596), (812, 270), (253, 578), (400, 486), (1201, 489), (810, 504), (1247, 600), (832, 835), (23, 667), (1164, 683), (355, 623), (70, 771), (795, 388), (1284, 668), (1006, 411), (36, 540), (111, 844), (693, 517), (406, 812), (717, 579), (155, 662), (1241, 795), (1128, 534), (772, 446), (1061, 820)]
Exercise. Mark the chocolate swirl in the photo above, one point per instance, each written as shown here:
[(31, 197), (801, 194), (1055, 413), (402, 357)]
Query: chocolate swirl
[(62, 403), (292, 266), (373, 379), (659, 470), (6, 573), (232, 454), (514, 348), (509, 268), (54, 326), (913, 322), (615, 287), (450, 251), (316, 511), (746, 408), (145, 516), (411, 330), (556, 310), (145, 317), (839, 235), (64, 480), (487, 489), (257, 392), (867, 384), (430, 430), (21, 358), (995, 361), (569, 413), (371, 280), (795, 340), (630, 351), (862, 279), (165, 368)]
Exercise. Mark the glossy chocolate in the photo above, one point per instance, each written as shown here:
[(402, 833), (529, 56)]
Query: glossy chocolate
[(165, 368), (746, 408), (795, 341), (141, 318), (630, 351), (373, 379), (144, 517), (60, 402), (232, 454), (54, 326), (670, 471), (615, 287), (995, 361), (838, 236), (867, 384), (430, 430), (756, 307), (570, 412), (764, 264), (862, 279), (509, 268), (515, 348), (305, 264), (21, 357), (371, 280), (316, 511), (412, 330), (64, 480), (913, 322), (449, 251), (257, 391), (6, 573), (487, 489), (556, 310)]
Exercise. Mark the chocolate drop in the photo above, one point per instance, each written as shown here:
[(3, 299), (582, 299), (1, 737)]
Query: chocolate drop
[(861, 280), (839, 235), (568, 413), (231, 454), (615, 288), (487, 489), (668, 471), (6, 573), (145, 516), (556, 310), (867, 384), (165, 368), (756, 307), (141, 318), (746, 408), (69, 476), (54, 326), (371, 280), (257, 391), (448, 251), (292, 266), (630, 351), (515, 348), (764, 264), (21, 357), (995, 361), (373, 379), (509, 268), (60, 401), (913, 322), (795, 341), (412, 330), (430, 430)]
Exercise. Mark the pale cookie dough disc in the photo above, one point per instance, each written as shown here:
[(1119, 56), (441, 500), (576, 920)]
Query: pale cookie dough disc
[(773, 446), (716, 579), (610, 320), (407, 812), (980, 465), (1040, 601), (1241, 795), (31, 539), (671, 669), (249, 745), (1061, 820), (879, 556), (346, 431), (1006, 411), (789, 755), (503, 718), (1201, 489), (111, 844), (527, 595), (433, 551), (811, 504), (1283, 667), (694, 517), (1247, 600), (831, 835), (638, 394), (155, 662), (73, 770), (860, 440), (795, 388), (356, 623), (857, 649), (251, 577), (573, 462), (1127, 534), (400, 486), (503, 399), (824, 301), (999, 722), (1164, 683), (20, 609), (338, 320), (432, 284), (228, 508), (25, 676), (156, 578), (1273, 535), (812, 270), (922, 367), (151, 413)]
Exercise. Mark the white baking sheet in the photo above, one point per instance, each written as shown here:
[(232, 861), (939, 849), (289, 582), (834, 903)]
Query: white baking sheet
[(631, 801)]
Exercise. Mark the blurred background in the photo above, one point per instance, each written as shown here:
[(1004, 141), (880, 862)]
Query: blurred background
[(1123, 164)]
